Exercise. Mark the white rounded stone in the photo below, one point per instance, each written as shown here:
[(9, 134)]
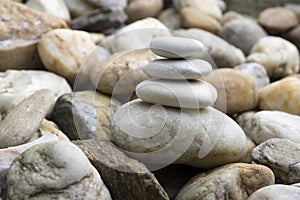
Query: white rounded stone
[(179, 69), (17, 85), (182, 94), (177, 47)]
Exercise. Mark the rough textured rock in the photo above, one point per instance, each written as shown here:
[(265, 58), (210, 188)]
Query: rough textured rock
[(64, 51), (234, 182), (276, 192), (24, 119), (170, 18), (105, 21), (218, 51), (209, 7), (277, 55), (121, 174), (54, 7), (282, 156), (277, 20), (43, 172), (258, 73), (242, 33), (138, 35), (157, 135), (177, 93), (282, 95), (20, 33), (139, 9), (193, 18), (15, 86), (121, 72), (85, 115), (265, 125), (239, 87)]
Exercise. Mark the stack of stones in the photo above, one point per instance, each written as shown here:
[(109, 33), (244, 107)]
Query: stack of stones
[(177, 81)]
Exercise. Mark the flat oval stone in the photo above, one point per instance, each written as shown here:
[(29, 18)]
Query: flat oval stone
[(276, 192), (182, 94), (179, 69), (176, 47)]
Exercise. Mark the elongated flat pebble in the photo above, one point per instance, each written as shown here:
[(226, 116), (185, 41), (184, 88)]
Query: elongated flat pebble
[(179, 69), (176, 47), (182, 94)]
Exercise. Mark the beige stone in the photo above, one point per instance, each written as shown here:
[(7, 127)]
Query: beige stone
[(21, 123), (234, 182), (193, 18), (208, 7), (122, 71), (139, 9), (64, 51), (159, 135), (277, 20), (282, 95), (236, 90), (21, 29), (279, 56)]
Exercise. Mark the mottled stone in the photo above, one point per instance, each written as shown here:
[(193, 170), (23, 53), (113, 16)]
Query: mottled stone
[(217, 51), (159, 136), (177, 93), (54, 7), (79, 7), (170, 18), (121, 174), (234, 182), (242, 33), (277, 20), (24, 119), (209, 7), (176, 47), (45, 168), (282, 156), (121, 72), (258, 73), (282, 95), (265, 125), (98, 20), (276, 192), (239, 87), (20, 31), (277, 55), (138, 35), (16, 85), (193, 18), (139, 9), (85, 115), (63, 52), (179, 69)]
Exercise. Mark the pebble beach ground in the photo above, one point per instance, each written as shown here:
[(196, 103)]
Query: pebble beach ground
[(149, 100)]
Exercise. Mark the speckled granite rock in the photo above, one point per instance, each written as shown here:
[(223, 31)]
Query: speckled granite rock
[(234, 182), (282, 156)]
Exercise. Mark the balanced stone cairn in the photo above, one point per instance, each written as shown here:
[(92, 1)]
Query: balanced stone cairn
[(177, 84), (173, 122)]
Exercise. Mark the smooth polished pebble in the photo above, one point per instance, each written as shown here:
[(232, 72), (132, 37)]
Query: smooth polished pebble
[(176, 47), (179, 69), (181, 94)]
